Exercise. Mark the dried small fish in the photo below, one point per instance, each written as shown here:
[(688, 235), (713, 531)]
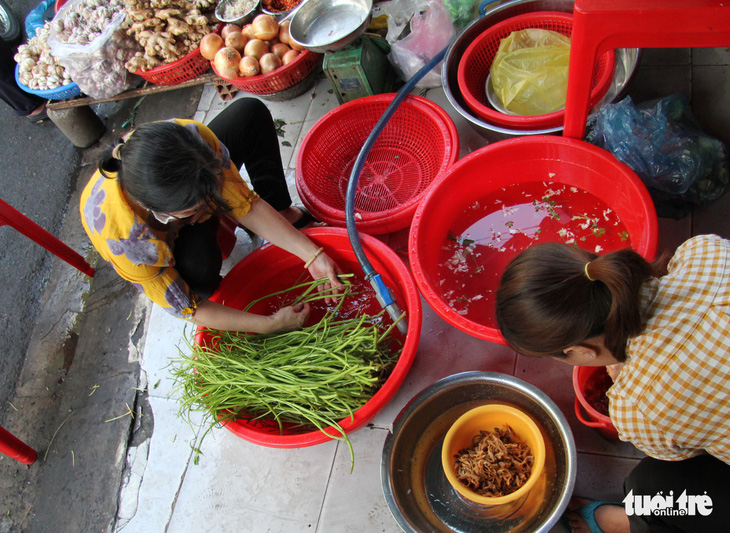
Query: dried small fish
[(496, 464)]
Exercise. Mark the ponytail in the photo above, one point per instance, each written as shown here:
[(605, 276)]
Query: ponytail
[(553, 296)]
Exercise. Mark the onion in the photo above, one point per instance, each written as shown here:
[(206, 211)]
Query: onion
[(269, 62), (290, 56), (249, 66), (236, 40), (284, 32), (280, 49), (247, 30), (209, 45), (226, 60), (265, 27), (229, 28), (295, 45), (255, 48)]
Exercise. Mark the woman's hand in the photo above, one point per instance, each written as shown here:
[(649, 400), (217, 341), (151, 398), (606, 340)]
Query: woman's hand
[(290, 318), (324, 267)]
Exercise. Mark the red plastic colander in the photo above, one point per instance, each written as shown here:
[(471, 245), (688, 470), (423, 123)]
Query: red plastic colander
[(477, 60), (418, 143)]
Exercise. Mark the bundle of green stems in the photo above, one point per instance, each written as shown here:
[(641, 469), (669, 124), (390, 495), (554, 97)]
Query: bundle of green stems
[(307, 379)]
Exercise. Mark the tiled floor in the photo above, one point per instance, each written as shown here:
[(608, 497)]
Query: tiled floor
[(239, 486)]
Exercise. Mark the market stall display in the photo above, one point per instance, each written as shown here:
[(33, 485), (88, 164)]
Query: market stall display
[(262, 59), (87, 38), (39, 72)]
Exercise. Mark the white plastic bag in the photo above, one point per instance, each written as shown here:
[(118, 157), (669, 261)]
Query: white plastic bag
[(97, 66), (431, 30)]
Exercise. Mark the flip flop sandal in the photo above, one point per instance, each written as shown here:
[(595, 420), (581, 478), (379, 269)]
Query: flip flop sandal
[(306, 218), (588, 513), (38, 118)]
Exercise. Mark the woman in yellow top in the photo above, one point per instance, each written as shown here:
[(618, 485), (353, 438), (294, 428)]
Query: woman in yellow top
[(665, 339), (152, 211)]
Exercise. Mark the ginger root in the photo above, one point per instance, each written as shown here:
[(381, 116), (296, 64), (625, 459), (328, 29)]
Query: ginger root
[(166, 29)]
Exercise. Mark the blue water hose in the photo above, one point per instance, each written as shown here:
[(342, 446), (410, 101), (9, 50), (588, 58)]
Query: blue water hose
[(382, 293)]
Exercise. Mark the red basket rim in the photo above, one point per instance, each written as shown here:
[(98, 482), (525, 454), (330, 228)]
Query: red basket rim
[(163, 69), (548, 120), (263, 78), (370, 222)]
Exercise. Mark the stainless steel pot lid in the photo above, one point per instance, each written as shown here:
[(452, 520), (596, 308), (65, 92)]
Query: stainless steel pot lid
[(415, 487)]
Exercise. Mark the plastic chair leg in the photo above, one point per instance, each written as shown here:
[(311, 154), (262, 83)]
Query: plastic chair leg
[(601, 25), (14, 218), (15, 448)]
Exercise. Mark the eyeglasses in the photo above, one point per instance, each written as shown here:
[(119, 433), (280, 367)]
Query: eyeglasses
[(189, 215)]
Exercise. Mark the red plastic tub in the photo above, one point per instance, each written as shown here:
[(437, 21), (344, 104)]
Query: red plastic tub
[(419, 143), (476, 63), (517, 165), (269, 269), (584, 379)]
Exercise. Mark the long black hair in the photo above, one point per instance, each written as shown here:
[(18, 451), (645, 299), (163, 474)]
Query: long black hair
[(553, 296), (166, 167)]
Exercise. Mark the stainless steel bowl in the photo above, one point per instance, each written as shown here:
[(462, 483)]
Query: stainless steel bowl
[(240, 19), (415, 487), (627, 61), (329, 25)]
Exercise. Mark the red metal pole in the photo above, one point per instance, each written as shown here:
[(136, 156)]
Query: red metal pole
[(15, 448)]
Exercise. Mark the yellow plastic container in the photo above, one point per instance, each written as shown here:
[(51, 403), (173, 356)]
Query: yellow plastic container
[(487, 417)]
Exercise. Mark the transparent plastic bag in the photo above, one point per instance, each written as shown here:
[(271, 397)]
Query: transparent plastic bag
[(462, 11), (529, 73), (661, 141), (98, 66), (417, 31)]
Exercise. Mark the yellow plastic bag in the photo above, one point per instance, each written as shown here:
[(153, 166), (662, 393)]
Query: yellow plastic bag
[(529, 73)]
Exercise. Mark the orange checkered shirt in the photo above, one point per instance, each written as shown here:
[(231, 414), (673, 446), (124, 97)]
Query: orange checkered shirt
[(672, 397)]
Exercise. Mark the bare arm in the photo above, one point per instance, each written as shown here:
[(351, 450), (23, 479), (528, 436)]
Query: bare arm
[(268, 224), (216, 316)]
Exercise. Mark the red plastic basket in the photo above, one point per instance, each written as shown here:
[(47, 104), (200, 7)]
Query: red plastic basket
[(188, 67), (477, 61), (281, 79), (418, 143)]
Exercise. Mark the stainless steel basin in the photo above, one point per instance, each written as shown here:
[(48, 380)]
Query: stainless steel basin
[(415, 486)]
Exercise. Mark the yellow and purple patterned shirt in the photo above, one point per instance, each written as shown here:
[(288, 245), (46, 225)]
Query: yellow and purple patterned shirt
[(139, 248), (672, 397)]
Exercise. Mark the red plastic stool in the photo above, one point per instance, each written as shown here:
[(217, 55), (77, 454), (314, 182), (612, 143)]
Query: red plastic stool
[(600, 25), (226, 235), (12, 217), (15, 448)]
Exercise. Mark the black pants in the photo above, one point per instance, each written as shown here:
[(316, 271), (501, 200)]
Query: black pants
[(21, 102), (247, 129), (698, 476)]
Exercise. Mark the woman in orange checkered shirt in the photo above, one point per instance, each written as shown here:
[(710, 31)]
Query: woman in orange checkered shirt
[(665, 340)]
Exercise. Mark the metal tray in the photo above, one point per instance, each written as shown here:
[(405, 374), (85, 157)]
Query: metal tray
[(415, 487)]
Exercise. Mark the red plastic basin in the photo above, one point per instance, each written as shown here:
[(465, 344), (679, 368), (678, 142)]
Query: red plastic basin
[(270, 269), (582, 376), (523, 161)]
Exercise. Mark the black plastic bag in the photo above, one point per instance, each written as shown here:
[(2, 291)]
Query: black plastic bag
[(660, 140)]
